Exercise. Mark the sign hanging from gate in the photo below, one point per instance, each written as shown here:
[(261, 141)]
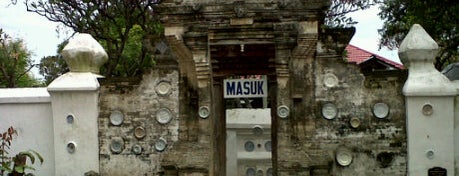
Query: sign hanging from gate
[(245, 88)]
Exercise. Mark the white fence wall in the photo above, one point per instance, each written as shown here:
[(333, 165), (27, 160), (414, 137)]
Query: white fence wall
[(28, 110)]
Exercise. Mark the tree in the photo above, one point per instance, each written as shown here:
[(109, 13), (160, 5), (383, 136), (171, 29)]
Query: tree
[(336, 14), (15, 63), (439, 18), (125, 29), (51, 67)]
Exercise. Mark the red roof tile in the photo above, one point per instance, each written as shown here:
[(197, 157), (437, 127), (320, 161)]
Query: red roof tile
[(358, 55)]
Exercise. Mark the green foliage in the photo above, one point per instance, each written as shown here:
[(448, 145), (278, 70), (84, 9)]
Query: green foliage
[(15, 165), (439, 18), (336, 14), (52, 67), (125, 29), (15, 63)]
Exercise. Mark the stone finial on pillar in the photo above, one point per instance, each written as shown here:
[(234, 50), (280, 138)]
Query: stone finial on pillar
[(429, 107), (417, 52), (84, 54)]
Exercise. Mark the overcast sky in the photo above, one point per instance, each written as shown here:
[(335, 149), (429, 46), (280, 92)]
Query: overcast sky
[(42, 39)]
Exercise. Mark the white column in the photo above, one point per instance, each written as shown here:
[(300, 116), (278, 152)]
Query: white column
[(429, 106), (74, 101)]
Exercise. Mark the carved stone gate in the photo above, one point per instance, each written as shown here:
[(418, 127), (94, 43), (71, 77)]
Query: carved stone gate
[(217, 39), (284, 40)]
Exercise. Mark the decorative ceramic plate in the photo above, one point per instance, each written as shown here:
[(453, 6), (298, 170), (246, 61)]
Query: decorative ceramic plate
[(381, 110), (139, 132), (163, 88), (160, 145), (71, 147), (329, 111), (204, 112), (283, 111), (249, 146), (116, 118), (343, 157), (427, 110), (268, 146), (354, 122), (430, 154), (163, 116), (117, 145), (70, 118), (330, 80), (257, 130), (269, 172), (137, 149), (250, 172)]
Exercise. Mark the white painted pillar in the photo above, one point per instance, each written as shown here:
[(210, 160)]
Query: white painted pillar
[(456, 127), (74, 101), (429, 106)]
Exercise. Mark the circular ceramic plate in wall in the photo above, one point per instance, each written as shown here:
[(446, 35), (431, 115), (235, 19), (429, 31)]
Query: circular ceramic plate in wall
[(257, 130), (116, 118), (430, 154), (137, 149), (163, 116), (204, 112), (163, 88), (268, 146), (249, 146), (343, 157), (139, 132), (117, 145), (160, 145), (329, 111), (354, 122), (381, 110), (70, 119), (330, 80), (283, 111), (250, 172), (427, 110), (269, 172), (71, 147)]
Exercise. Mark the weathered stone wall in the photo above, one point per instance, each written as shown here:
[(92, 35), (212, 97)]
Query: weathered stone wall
[(308, 142), (305, 73), (307, 145), (138, 100)]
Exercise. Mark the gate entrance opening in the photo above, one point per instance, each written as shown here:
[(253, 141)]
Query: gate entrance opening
[(245, 75)]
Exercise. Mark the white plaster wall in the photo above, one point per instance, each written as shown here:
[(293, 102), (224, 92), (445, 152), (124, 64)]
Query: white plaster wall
[(456, 128), (29, 112), (83, 132), (434, 132), (239, 125)]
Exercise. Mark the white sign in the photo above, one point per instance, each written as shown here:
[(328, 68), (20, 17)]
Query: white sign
[(245, 88)]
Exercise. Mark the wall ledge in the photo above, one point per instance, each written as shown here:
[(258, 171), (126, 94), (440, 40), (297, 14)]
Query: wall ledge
[(75, 81), (24, 95)]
